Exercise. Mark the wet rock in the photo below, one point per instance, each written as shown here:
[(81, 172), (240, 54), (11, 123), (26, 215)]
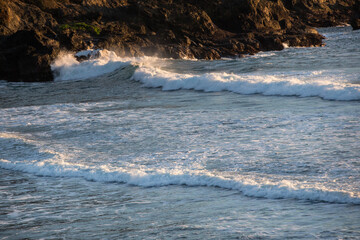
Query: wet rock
[(86, 55), (304, 40)]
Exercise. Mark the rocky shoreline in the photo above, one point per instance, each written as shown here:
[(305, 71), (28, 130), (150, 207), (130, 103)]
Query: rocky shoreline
[(33, 32)]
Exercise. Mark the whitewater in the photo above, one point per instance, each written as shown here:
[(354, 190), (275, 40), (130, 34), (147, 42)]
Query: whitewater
[(265, 146)]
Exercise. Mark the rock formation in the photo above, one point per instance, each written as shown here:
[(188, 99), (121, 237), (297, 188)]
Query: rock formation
[(32, 32), (355, 18)]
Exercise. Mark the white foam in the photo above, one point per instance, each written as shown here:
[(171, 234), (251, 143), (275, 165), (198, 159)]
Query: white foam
[(302, 85), (66, 67), (285, 45), (263, 54), (305, 84), (156, 178)]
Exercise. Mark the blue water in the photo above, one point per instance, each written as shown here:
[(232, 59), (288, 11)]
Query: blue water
[(262, 147)]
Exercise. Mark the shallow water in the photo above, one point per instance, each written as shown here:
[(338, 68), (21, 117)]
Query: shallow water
[(262, 147)]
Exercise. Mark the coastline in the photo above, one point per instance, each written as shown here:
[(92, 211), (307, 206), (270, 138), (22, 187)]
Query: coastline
[(201, 30)]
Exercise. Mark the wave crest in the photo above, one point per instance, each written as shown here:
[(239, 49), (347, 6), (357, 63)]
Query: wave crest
[(282, 190), (100, 62), (305, 85), (150, 72)]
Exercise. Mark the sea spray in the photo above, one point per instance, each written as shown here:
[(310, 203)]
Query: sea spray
[(66, 67)]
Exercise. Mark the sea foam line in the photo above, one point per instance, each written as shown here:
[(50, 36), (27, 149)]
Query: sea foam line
[(161, 178), (309, 86)]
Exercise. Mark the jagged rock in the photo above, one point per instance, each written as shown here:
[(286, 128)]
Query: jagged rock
[(17, 15), (206, 29), (320, 13)]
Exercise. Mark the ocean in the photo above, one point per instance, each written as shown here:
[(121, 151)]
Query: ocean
[(259, 147)]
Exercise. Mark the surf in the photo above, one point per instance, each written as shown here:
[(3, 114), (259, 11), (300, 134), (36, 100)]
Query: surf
[(136, 177), (153, 72), (40, 161)]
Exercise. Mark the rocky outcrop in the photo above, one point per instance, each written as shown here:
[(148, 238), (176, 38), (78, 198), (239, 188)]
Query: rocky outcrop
[(205, 29), (355, 18), (321, 13), (26, 56), (17, 15)]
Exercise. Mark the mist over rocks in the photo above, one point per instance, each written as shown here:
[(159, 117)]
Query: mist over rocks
[(33, 32)]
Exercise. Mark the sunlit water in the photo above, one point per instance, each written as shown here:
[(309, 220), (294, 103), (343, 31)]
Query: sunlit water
[(262, 147)]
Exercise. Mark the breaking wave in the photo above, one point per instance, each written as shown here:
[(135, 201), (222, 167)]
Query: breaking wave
[(97, 63), (302, 85), (151, 72), (157, 178)]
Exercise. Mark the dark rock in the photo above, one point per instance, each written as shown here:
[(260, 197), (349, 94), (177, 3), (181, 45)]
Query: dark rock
[(355, 23), (16, 15), (355, 18), (26, 56), (87, 54), (319, 13), (304, 40), (75, 40), (206, 29)]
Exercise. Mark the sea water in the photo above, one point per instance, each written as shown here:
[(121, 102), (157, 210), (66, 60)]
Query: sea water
[(259, 147)]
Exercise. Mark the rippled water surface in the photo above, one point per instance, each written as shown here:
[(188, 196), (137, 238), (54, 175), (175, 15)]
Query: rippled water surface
[(262, 147)]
